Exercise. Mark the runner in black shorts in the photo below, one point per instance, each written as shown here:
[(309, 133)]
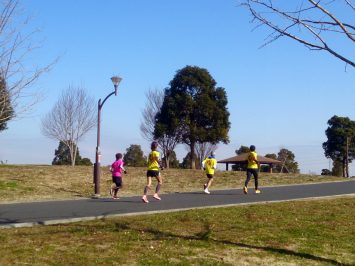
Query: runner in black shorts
[(116, 170), (153, 171)]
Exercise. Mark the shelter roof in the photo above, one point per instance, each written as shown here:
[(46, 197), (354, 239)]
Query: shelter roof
[(242, 158)]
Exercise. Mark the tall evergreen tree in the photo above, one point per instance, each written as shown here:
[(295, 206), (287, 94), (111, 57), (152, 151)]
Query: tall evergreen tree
[(173, 161), (194, 109), (62, 156), (337, 169), (242, 149), (134, 156), (6, 110), (340, 145)]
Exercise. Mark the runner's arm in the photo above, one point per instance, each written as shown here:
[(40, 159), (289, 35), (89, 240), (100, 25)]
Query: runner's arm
[(124, 170)]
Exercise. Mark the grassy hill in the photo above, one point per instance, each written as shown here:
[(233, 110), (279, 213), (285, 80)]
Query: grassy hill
[(45, 182)]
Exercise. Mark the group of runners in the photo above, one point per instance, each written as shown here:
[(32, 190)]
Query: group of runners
[(154, 166)]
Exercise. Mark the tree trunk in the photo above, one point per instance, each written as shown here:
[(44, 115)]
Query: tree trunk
[(72, 154), (167, 162), (347, 158), (166, 157), (192, 155), (72, 157)]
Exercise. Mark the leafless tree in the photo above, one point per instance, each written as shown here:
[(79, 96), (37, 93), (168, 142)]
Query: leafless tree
[(70, 119), (202, 150), (167, 143), (154, 102), (319, 25), (16, 45)]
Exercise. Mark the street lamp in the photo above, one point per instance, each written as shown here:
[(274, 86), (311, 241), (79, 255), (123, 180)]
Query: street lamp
[(115, 80)]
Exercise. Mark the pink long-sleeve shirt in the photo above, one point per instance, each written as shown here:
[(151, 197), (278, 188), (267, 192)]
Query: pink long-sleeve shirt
[(117, 168)]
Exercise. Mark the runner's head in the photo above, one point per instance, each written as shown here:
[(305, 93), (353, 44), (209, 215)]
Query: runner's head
[(252, 148), (154, 145), (118, 156), (213, 155)]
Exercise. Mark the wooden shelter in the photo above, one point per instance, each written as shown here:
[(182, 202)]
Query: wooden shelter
[(242, 158)]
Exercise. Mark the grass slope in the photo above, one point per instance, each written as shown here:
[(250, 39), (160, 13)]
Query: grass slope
[(319, 232), (32, 182)]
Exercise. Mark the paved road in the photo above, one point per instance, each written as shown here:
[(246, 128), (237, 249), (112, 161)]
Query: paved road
[(54, 212)]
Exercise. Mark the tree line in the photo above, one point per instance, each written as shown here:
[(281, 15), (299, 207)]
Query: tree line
[(193, 112)]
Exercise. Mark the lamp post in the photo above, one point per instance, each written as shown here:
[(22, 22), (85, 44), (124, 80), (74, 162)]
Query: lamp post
[(115, 80)]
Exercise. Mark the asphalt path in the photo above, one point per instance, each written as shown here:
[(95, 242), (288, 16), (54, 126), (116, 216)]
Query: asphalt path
[(64, 211)]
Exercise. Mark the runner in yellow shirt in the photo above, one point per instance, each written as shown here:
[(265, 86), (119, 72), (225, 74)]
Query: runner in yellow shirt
[(154, 164), (209, 165), (252, 169)]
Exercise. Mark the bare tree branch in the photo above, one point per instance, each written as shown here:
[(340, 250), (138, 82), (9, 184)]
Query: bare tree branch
[(306, 25), (202, 150), (15, 48), (154, 102), (337, 21), (167, 143), (348, 3), (70, 119)]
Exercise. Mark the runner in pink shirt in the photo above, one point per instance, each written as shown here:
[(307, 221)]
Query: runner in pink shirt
[(116, 170)]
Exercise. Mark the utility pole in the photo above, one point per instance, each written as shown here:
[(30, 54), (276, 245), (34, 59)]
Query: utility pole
[(347, 157)]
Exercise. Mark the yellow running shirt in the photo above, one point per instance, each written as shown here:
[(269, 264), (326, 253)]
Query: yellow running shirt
[(209, 164), (251, 157), (153, 160)]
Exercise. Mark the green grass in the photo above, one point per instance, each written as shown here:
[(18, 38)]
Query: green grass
[(319, 232), (8, 185)]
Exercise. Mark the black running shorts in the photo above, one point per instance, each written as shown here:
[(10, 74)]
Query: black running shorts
[(117, 180), (152, 173)]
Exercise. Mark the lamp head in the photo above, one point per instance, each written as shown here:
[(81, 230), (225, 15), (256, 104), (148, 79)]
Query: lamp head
[(116, 80)]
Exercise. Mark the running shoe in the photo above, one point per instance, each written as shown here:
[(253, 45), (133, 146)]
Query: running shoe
[(206, 191), (257, 191), (156, 196), (245, 190), (144, 199)]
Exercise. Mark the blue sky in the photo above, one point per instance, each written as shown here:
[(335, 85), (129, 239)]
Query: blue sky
[(280, 96)]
